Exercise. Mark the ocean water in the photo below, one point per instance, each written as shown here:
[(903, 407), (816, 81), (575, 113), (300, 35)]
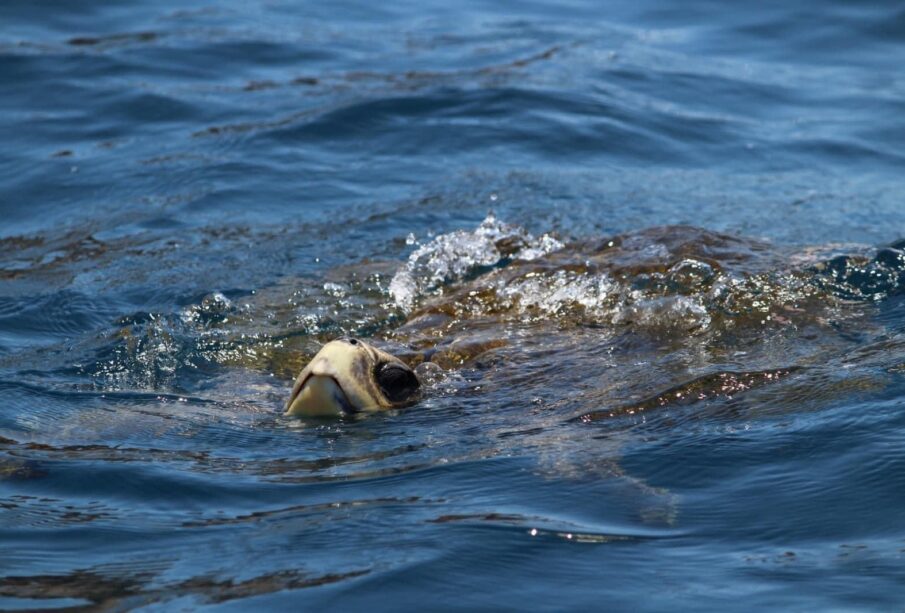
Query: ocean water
[(653, 247)]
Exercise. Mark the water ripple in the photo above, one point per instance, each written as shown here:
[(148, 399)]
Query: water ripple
[(673, 350)]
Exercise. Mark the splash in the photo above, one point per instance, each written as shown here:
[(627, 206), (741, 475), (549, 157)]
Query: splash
[(458, 255)]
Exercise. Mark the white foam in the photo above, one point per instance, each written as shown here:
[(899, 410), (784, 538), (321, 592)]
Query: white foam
[(451, 257)]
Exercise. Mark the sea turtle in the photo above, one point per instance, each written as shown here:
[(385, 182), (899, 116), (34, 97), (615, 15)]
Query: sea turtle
[(468, 297)]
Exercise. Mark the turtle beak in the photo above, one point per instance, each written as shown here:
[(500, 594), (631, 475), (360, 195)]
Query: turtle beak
[(320, 395), (318, 391)]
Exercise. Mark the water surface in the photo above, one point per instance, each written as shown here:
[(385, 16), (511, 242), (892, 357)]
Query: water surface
[(194, 198)]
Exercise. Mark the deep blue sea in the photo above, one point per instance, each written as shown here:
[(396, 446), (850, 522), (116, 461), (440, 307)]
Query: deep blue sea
[(693, 399)]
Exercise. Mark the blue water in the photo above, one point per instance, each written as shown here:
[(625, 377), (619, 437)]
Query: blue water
[(193, 198)]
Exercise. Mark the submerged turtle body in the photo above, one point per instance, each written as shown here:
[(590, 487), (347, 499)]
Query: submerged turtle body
[(471, 300)]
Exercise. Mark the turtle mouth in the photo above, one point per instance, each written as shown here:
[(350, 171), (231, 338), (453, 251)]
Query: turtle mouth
[(338, 394)]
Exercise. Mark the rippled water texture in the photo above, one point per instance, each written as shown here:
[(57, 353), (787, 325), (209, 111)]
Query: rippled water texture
[(646, 257)]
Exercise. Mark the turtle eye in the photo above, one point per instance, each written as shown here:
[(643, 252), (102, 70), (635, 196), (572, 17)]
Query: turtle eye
[(397, 382)]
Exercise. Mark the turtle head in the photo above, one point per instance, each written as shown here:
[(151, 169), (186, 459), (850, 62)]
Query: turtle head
[(348, 376)]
